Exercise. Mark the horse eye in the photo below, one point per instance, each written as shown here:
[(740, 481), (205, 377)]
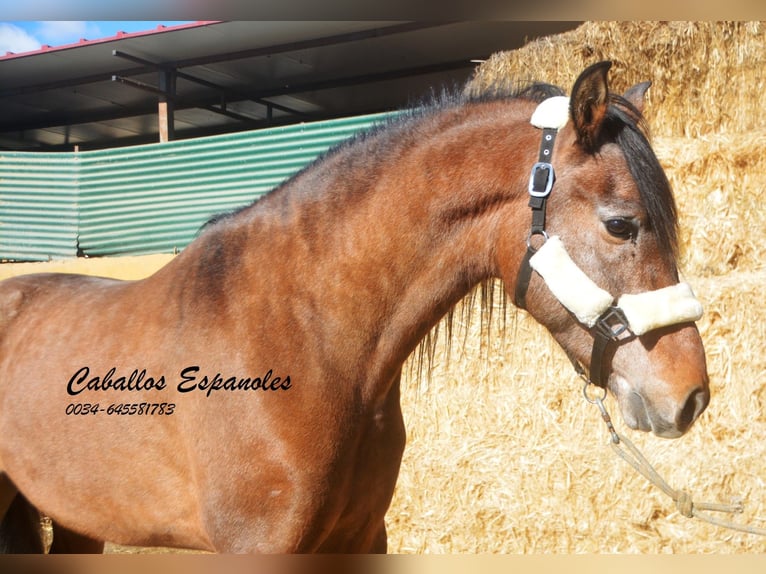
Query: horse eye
[(621, 228)]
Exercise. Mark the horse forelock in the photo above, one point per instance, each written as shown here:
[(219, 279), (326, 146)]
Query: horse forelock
[(628, 128)]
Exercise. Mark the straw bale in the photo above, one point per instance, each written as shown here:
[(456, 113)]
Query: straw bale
[(720, 186), (707, 76)]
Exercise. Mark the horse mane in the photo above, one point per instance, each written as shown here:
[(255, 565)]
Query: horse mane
[(434, 103)]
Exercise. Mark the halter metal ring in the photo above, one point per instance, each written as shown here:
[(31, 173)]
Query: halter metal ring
[(596, 400), (532, 234)]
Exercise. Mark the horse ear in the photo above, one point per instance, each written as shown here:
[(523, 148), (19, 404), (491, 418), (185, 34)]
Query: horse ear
[(635, 95), (589, 102)]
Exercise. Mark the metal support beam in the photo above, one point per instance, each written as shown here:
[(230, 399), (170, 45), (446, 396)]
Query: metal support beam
[(229, 114), (137, 84), (226, 93)]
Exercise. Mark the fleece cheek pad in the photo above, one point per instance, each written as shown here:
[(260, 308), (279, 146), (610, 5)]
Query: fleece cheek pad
[(587, 301), (655, 309), (569, 284)]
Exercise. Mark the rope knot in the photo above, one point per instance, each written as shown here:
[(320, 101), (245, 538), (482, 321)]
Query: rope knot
[(685, 504)]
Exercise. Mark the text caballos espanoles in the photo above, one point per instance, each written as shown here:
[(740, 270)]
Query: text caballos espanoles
[(188, 380)]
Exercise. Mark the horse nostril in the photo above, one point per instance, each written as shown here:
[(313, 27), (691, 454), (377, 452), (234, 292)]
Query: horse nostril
[(695, 404)]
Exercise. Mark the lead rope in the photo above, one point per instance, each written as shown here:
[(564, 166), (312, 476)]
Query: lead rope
[(630, 453)]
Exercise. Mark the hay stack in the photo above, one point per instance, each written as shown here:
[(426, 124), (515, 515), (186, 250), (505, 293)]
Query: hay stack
[(707, 76), (503, 453), (719, 182)]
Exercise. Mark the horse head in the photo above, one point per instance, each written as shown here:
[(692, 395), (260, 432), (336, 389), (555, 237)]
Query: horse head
[(600, 270)]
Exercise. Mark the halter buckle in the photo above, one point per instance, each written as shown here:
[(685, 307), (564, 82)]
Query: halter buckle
[(612, 324), (541, 179)]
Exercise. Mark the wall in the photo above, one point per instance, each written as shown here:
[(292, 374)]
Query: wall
[(147, 199)]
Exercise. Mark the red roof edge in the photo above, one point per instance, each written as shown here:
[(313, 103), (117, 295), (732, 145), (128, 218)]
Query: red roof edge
[(161, 29)]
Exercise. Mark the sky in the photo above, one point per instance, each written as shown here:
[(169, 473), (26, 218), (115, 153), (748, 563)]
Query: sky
[(28, 36)]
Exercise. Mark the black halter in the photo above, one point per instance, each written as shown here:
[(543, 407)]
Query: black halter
[(540, 185), (612, 326)]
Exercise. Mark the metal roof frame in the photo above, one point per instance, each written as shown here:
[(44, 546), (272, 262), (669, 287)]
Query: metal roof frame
[(216, 77)]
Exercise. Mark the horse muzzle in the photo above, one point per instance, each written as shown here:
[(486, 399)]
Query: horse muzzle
[(667, 418)]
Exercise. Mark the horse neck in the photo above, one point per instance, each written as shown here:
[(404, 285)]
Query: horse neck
[(381, 239)]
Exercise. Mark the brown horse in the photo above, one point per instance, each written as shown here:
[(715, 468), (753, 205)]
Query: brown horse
[(246, 396)]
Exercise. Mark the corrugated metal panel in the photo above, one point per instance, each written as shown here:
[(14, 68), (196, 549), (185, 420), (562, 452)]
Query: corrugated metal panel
[(148, 199), (155, 198), (38, 206)]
